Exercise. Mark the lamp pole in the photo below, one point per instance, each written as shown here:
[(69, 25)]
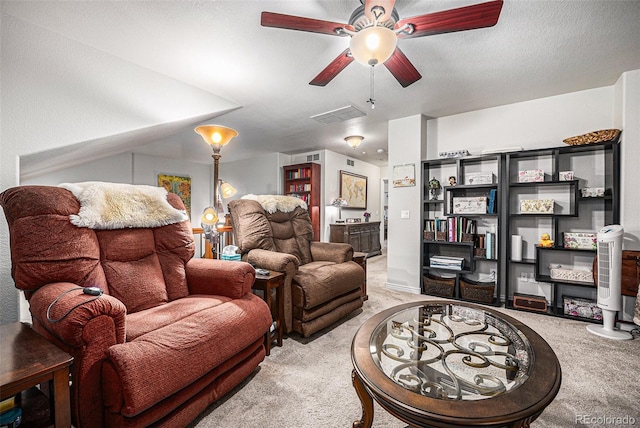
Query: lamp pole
[(216, 161)]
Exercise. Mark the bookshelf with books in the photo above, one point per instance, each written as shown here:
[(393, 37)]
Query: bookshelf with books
[(461, 223), (569, 193), (303, 181)]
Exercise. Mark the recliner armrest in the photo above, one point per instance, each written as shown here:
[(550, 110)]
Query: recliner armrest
[(219, 277), (279, 262), (331, 252), (70, 328)]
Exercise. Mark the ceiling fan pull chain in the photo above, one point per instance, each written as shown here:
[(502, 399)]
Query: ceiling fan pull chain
[(372, 99)]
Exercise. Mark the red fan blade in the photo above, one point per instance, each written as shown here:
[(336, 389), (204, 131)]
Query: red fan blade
[(387, 5), (463, 18), (332, 70), (402, 69), (289, 22)]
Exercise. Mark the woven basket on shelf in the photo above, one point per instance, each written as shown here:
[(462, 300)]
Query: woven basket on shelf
[(477, 291), (594, 137), (437, 286)]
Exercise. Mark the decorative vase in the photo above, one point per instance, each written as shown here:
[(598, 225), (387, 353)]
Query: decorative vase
[(366, 219)]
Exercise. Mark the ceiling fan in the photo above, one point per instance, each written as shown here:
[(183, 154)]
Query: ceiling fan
[(374, 28)]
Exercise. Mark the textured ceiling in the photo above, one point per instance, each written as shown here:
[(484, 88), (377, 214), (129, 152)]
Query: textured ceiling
[(538, 48)]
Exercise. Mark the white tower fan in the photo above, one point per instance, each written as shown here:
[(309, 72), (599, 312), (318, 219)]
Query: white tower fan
[(609, 282)]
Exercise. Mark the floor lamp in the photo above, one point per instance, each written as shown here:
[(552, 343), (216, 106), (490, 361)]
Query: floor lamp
[(216, 136)]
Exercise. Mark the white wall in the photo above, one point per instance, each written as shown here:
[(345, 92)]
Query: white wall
[(627, 118), (74, 94), (531, 125), (407, 145), (118, 169)]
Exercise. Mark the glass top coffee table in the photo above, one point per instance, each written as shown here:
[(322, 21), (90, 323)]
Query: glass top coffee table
[(451, 364)]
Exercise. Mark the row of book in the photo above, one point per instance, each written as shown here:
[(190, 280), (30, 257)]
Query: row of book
[(304, 196), (454, 228), (300, 187), (299, 173)]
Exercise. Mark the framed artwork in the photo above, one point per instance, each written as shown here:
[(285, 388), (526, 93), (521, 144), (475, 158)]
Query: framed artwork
[(179, 185), (404, 175), (353, 189)]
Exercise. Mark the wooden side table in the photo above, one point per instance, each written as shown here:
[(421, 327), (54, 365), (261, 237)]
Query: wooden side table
[(266, 284), (28, 359), (361, 259)]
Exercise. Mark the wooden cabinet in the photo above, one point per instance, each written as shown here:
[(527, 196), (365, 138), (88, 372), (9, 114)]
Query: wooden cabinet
[(303, 181), (461, 219), (582, 188), (363, 237)]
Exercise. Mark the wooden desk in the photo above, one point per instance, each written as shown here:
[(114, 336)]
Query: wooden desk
[(266, 284), (28, 359)]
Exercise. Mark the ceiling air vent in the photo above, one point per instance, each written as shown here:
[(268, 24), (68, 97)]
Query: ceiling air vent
[(315, 156), (351, 162), (339, 115)]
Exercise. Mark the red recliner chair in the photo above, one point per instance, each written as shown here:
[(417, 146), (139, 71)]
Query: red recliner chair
[(170, 334)]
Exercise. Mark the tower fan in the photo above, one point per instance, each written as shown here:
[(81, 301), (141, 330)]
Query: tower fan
[(609, 282)]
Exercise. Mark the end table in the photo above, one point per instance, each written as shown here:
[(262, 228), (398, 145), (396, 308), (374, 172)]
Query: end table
[(266, 284), (28, 359), (361, 259)]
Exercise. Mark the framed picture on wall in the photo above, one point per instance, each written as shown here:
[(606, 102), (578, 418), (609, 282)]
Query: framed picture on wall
[(179, 185), (404, 175), (353, 189)]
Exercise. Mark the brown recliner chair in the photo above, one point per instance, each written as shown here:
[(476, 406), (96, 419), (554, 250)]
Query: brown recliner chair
[(322, 283), (169, 335)]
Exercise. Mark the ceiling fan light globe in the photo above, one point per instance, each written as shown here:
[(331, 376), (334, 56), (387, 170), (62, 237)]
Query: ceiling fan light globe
[(373, 45)]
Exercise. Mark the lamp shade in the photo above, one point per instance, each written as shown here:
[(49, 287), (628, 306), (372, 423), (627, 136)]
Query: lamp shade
[(227, 189), (339, 202), (209, 217), (373, 45), (216, 135), (354, 140)]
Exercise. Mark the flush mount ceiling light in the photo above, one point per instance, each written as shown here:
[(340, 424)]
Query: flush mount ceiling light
[(354, 140)]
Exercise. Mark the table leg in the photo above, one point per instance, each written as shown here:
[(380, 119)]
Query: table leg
[(365, 399), (62, 399), (269, 299), (280, 299)]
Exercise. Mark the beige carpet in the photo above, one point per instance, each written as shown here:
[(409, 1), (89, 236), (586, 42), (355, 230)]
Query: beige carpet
[(307, 382)]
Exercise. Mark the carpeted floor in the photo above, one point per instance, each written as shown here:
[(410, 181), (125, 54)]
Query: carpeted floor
[(307, 382)]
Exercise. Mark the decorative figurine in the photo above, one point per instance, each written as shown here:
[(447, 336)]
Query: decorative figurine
[(545, 241), (452, 181), (434, 188)]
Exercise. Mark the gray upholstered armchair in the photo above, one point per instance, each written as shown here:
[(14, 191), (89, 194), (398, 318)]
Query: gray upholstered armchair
[(322, 283)]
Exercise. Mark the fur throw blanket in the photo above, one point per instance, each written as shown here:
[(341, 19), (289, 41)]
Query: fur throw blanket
[(273, 203), (119, 206)]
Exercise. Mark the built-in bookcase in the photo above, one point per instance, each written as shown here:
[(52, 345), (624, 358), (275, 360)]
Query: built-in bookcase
[(303, 181)]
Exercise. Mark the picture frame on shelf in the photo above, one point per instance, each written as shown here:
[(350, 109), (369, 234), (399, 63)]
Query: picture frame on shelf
[(353, 189)]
